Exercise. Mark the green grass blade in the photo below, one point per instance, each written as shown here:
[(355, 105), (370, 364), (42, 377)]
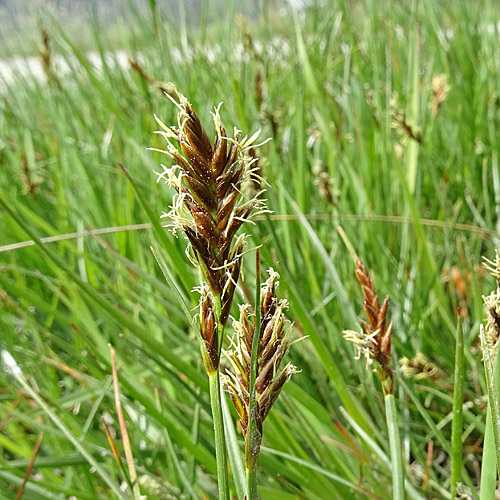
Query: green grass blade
[(458, 401), (184, 367), (233, 451), (398, 476), (74, 440), (489, 460), (492, 393)]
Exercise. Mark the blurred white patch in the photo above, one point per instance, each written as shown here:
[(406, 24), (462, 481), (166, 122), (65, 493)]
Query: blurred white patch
[(10, 365), (299, 4)]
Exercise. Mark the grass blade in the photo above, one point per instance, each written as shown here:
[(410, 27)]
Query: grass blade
[(489, 463), (398, 477), (123, 430), (458, 401), (69, 435), (30, 466), (233, 451), (492, 393)]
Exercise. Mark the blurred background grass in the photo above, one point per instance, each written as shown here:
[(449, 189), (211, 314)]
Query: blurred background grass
[(350, 94)]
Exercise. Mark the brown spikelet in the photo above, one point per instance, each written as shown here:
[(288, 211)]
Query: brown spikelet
[(375, 342), (208, 334), (210, 207), (400, 122), (273, 344), (440, 89), (47, 62)]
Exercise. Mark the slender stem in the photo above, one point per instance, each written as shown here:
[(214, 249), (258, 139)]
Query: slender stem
[(458, 401), (398, 478), (220, 326), (234, 452), (488, 464), (220, 441), (216, 404), (254, 436), (492, 392), (252, 482)]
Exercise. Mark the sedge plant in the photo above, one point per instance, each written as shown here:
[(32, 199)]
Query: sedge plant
[(374, 343), (209, 208), (254, 379)]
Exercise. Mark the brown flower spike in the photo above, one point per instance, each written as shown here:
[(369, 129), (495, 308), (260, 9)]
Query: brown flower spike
[(209, 208), (274, 340), (375, 341)]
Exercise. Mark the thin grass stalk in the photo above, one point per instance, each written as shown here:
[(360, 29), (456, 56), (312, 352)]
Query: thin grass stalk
[(233, 451), (123, 430), (210, 326), (458, 401), (71, 437), (398, 476), (220, 440), (254, 437), (374, 343), (492, 392), (254, 379), (116, 453), (491, 333), (488, 464), (30, 466)]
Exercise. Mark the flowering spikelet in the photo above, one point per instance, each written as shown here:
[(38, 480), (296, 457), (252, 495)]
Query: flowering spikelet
[(492, 304), (47, 61), (274, 340), (209, 206), (420, 368), (440, 89), (208, 333), (375, 341)]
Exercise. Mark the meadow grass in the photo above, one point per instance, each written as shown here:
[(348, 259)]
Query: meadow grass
[(371, 154)]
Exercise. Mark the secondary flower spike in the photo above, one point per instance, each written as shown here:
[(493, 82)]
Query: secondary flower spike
[(375, 341), (209, 206), (274, 340)]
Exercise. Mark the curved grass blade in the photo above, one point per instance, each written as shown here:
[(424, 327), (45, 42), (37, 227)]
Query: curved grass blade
[(68, 434)]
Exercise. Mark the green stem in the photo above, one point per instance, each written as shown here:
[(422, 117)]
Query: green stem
[(398, 478), (492, 393), (252, 482), (220, 326), (458, 401), (220, 441), (254, 436), (215, 402), (488, 464)]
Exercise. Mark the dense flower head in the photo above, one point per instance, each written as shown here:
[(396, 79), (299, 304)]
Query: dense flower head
[(210, 206)]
